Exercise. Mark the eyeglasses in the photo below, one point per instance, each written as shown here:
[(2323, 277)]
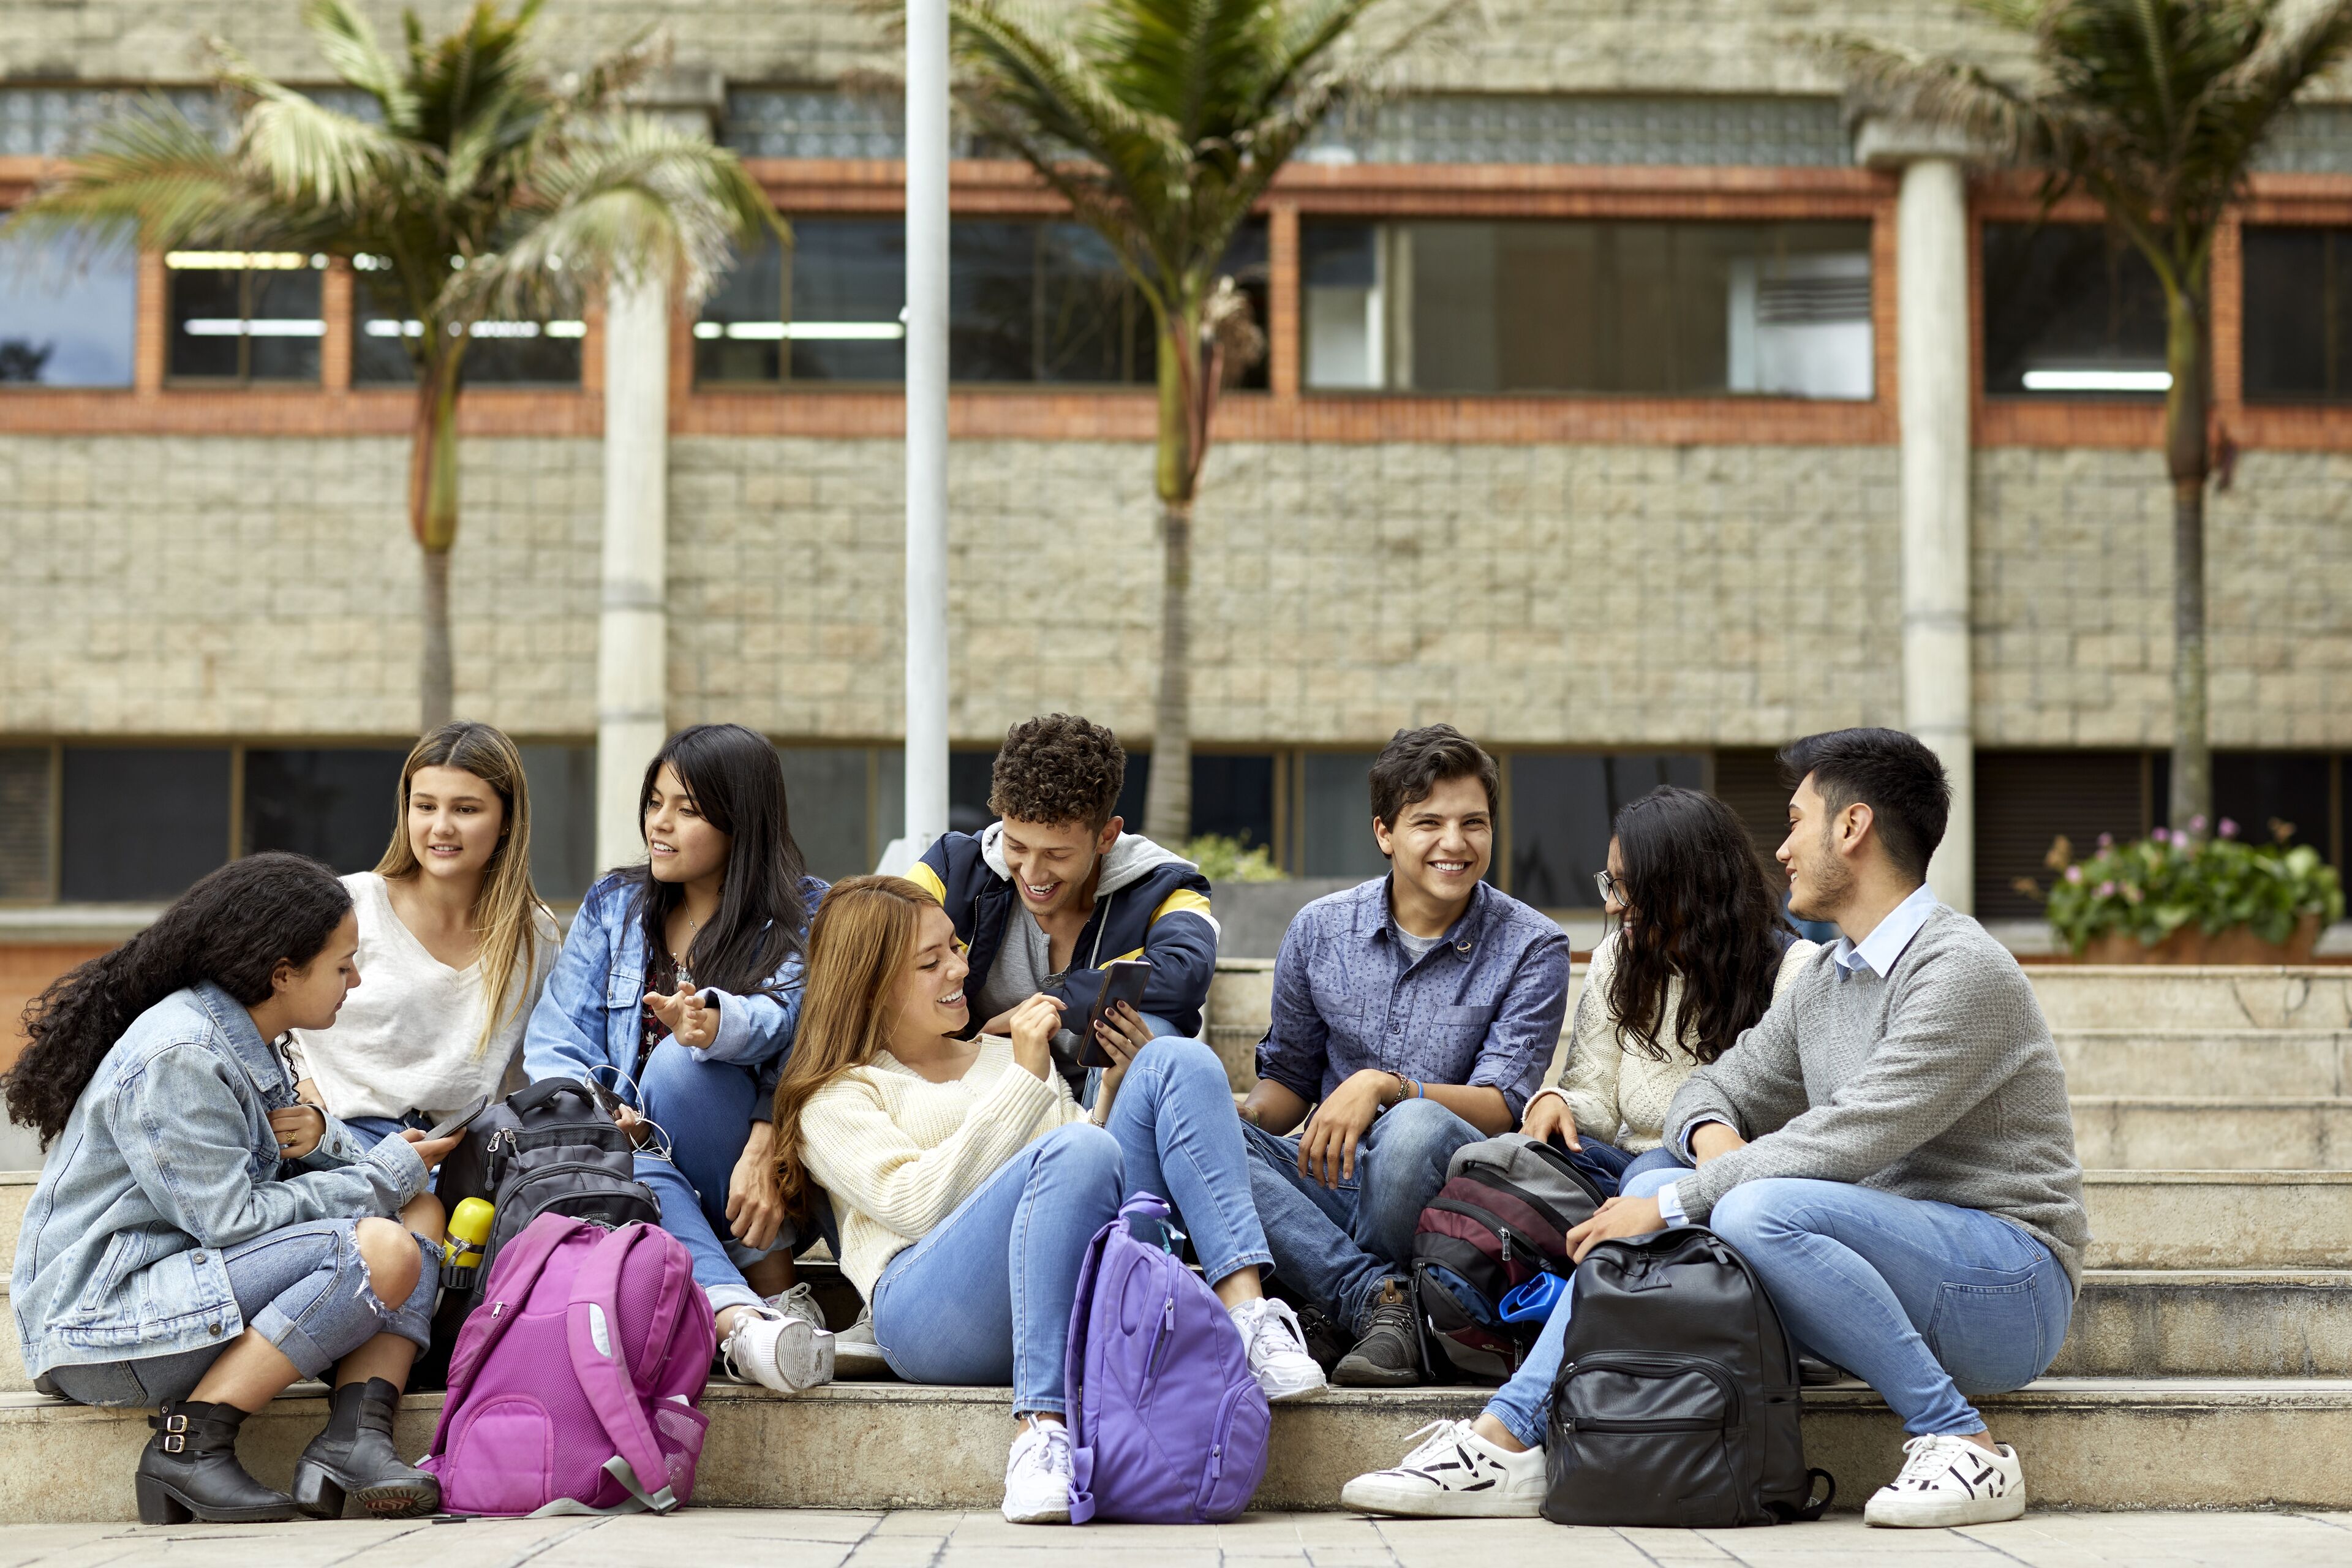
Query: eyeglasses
[(1611, 890)]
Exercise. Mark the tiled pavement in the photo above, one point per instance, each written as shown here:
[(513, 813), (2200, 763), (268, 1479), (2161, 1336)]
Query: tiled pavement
[(717, 1538)]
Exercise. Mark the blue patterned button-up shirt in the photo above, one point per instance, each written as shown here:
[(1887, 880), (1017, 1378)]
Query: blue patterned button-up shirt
[(1482, 1006)]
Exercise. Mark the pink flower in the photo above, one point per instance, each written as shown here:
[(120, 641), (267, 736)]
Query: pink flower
[(2106, 890), (2162, 836), (2229, 828), (2197, 824), (2073, 873), (2107, 841)]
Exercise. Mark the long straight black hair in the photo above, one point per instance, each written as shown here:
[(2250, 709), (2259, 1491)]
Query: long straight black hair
[(1701, 911), (735, 781), (233, 928)]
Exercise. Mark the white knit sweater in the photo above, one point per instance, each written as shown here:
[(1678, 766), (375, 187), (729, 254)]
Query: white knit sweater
[(1614, 1089), (898, 1153)]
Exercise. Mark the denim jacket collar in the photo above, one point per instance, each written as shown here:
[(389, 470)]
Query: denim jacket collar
[(262, 1060), (1462, 935)]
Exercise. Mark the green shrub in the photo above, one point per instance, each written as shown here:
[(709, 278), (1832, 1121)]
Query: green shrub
[(1228, 859), (2156, 886)]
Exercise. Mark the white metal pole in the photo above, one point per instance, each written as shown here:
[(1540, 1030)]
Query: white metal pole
[(927, 426), (632, 631)]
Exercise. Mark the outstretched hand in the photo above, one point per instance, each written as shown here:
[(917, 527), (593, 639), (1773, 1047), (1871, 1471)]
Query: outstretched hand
[(693, 1022)]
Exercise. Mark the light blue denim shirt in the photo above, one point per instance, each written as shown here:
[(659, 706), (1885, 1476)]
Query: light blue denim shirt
[(589, 1016), (168, 1158), (1482, 1006)]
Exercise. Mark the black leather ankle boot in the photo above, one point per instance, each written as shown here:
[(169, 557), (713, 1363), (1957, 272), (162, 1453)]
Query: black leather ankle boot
[(190, 1470), (355, 1457)]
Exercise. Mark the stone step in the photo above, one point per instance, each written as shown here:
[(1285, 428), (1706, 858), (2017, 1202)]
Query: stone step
[(2288, 1063), (2082, 996), (2086, 1443), (2220, 1322), (2219, 1219), (2127, 1132)]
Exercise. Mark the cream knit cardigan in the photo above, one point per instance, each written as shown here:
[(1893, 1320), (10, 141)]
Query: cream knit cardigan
[(898, 1153), (1615, 1091)]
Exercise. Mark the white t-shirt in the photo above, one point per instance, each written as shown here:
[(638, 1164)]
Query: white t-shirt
[(406, 1038)]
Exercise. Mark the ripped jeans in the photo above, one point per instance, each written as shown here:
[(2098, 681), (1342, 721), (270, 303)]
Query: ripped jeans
[(303, 1288)]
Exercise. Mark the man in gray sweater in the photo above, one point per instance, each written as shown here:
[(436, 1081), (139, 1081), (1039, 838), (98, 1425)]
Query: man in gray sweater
[(1889, 1147)]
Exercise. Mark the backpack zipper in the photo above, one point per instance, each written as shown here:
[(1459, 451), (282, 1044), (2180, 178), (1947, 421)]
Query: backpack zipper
[(1674, 1365), (1160, 1340)]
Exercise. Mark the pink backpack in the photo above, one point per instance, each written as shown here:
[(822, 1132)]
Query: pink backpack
[(571, 1388)]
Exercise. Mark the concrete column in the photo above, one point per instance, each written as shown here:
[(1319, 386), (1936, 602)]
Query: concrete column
[(1932, 360), (632, 620), (927, 430)]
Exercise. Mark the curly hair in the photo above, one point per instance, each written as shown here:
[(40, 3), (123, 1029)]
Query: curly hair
[(1058, 768), (233, 928)]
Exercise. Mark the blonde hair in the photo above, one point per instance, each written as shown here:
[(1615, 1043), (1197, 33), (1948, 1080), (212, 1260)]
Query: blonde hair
[(864, 934), (508, 908)]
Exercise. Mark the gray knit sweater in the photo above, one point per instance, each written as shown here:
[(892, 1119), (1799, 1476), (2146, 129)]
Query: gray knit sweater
[(1940, 1082)]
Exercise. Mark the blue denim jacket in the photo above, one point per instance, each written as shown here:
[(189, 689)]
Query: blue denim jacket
[(168, 1158), (588, 1015), (1482, 1007)]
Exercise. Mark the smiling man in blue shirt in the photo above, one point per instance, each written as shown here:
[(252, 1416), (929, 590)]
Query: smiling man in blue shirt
[(1412, 1015)]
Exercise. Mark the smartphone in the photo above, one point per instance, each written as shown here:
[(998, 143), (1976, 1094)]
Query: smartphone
[(1123, 981), (459, 1122)]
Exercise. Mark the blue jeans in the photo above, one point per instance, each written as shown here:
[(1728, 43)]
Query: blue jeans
[(985, 1298), (303, 1288), (1921, 1301), (1180, 1140), (1612, 1167), (705, 1107), (1338, 1246)]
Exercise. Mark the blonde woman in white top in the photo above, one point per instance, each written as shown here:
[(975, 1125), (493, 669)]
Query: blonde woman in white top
[(968, 1182), (1698, 954), (455, 944)]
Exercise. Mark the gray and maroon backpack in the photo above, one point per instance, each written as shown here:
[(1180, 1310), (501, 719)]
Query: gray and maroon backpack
[(1501, 1219)]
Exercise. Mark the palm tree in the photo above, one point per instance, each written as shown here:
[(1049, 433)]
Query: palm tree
[(485, 187), (2156, 108), (1162, 123)]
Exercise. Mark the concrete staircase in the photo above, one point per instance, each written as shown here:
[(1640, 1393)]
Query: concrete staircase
[(2209, 1363)]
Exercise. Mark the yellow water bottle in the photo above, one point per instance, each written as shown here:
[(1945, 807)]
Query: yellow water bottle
[(461, 1254)]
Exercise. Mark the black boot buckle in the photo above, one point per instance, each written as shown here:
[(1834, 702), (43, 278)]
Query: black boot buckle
[(174, 1426), (174, 1443)]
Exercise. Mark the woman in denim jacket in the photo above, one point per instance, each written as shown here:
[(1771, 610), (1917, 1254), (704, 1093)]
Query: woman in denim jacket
[(680, 987), (199, 1238)]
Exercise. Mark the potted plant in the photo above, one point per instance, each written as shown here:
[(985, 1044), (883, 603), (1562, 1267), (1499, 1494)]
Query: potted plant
[(2186, 898)]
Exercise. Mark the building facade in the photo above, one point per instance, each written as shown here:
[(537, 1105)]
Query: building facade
[(1624, 404)]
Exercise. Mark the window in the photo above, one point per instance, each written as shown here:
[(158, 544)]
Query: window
[(1029, 302), (26, 867), (244, 316), (339, 806), (2070, 310), (68, 312), (2298, 314), (1232, 797), (139, 824), (562, 819), (1675, 309), (1336, 816), (846, 804), (511, 353), (1561, 806)]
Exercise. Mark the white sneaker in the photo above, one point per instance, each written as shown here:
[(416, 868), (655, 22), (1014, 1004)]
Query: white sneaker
[(1949, 1480), (786, 1353), (856, 1351), (1037, 1475), (1453, 1473), (1278, 1348)]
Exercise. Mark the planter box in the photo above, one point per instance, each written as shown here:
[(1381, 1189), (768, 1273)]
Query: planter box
[(2189, 945)]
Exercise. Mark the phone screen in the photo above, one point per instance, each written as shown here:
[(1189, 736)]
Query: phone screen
[(457, 1123), (1122, 982)]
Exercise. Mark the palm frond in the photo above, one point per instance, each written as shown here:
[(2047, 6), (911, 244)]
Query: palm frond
[(312, 155), (155, 174), (1888, 78), (601, 83), (344, 36)]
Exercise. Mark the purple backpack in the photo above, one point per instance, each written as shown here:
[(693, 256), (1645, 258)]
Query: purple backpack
[(571, 1388), (1168, 1425)]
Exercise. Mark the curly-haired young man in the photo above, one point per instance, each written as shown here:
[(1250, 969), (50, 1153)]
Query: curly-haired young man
[(1056, 889)]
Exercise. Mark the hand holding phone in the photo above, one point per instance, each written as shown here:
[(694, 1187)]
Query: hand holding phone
[(1123, 981), (459, 1122)]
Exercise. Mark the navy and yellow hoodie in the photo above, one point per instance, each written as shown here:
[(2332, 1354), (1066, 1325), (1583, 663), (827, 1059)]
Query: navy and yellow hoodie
[(1149, 903)]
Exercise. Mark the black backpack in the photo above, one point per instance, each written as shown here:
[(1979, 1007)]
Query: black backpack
[(1502, 1218), (1677, 1402), (549, 1149)]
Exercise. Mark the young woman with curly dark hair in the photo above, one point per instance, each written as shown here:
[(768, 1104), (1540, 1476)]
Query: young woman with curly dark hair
[(1699, 950), (198, 1239)]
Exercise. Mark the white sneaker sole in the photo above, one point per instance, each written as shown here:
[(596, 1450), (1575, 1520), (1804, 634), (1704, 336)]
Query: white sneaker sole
[(1942, 1513), (1377, 1494), (1036, 1513), (803, 1359), (1277, 1391)]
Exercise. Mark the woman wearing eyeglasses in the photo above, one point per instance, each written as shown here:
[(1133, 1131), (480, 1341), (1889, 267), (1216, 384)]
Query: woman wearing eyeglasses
[(1701, 948)]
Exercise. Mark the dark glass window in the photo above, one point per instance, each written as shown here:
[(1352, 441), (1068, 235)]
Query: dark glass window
[(23, 824), (1336, 816), (1029, 302), (1561, 806), (337, 805), (141, 823), (562, 819), (244, 317), (67, 313), (969, 776), (1233, 796), (1690, 308), (2071, 309), (2298, 314), (830, 792), (507, 354)]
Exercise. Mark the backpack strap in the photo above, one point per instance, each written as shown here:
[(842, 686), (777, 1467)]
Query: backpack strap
[(518, 1268), (599, 1361), (1073, 1367), (1809, 1511)]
